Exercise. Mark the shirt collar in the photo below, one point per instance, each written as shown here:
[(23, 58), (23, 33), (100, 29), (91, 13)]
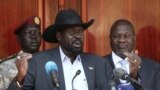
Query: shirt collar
[(116, 58), (64, 57)]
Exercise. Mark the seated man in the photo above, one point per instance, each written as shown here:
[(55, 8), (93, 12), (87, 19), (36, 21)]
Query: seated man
[(122, 42), (29, 38), (68, 32)]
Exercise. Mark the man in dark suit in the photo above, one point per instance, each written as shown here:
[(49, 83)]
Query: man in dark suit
[(122, 41), (68, 33)]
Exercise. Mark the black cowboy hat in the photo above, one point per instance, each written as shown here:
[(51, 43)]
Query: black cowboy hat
[(64, 19)]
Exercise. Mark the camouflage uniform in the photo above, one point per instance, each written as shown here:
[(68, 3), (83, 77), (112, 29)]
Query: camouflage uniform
[(8, 72)]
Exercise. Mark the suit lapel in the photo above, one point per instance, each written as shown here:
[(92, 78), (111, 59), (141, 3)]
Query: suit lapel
[(57, 59), (141, 74), (110, 60), (89, 71)]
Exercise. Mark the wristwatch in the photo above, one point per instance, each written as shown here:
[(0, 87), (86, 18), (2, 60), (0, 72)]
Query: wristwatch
[(18, 84)]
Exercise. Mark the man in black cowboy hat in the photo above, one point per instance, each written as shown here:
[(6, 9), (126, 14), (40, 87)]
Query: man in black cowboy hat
[(75, 70)]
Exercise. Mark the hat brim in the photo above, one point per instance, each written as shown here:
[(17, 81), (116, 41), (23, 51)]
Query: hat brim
[(49, 35)]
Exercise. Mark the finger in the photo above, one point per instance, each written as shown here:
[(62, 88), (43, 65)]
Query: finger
[(126, 54), (21, 62), (136, 52), (129, 55), (131, 60), (20, 52), (24, 61), (18, 61), (26, 55)]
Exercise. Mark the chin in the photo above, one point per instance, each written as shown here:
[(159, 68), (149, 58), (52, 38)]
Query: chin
[(121, 54), (77, 51)]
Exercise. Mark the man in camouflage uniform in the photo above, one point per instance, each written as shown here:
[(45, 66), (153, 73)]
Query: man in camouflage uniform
[(8, 71), (14, 67)]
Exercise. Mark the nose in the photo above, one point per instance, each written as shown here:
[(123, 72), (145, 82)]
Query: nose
[(79, 35), (121, 39), (33, 35)]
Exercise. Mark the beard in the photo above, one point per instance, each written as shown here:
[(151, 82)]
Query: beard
[(120, 52), (71, 48), (75, 50)]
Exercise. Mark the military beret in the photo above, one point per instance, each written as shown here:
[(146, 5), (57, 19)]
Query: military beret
[(33, 21)]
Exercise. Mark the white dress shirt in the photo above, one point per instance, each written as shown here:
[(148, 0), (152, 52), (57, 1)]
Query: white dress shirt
[(117, 64), (69, 71)]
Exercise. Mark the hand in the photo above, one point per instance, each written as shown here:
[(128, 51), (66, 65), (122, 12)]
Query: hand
[(135, 62), (22, 65)]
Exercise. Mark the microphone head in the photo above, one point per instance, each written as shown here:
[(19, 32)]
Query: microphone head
[(125, 87), (78, 72), (51, 66), (118, 72)]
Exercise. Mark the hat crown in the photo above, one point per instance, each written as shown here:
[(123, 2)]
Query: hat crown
[(68, 17), (64, 19)]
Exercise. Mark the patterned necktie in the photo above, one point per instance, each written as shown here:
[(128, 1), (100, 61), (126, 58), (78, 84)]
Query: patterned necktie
[(123, 64), (124, 67)]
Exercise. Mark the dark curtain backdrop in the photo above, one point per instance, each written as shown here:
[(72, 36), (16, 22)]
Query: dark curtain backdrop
[(144, 14)]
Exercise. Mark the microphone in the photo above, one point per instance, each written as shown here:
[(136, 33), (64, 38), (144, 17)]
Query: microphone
[(122, 74), (52, 70), (112, 85), (77, 73), (125, 87)]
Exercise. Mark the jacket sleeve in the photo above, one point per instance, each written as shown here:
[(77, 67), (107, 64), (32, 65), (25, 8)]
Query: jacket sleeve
[(30, 76), (158, 77), (13, 85), (100, 75)]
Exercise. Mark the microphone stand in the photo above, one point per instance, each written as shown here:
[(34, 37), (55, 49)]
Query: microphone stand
[(56, 88), (77, 73), (137, 86), (134, 83), (72, 82), (112, 85)]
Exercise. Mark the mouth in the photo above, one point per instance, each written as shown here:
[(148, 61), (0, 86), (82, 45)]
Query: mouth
[(122, 46), (77, 44), (34, 44)]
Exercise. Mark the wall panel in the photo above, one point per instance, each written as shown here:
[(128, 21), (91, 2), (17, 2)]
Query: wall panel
[(12, 13), (144, 14)]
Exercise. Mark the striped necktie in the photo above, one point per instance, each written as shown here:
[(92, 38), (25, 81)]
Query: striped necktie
[(124, 67), (124, 64)]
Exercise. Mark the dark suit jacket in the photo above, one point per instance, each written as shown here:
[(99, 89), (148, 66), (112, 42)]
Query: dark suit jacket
[(37, 78), (149, 73)]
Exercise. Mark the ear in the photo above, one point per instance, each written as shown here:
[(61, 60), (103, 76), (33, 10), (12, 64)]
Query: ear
[(135, 37), (58, 36), (110, 36), (18, 38)]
